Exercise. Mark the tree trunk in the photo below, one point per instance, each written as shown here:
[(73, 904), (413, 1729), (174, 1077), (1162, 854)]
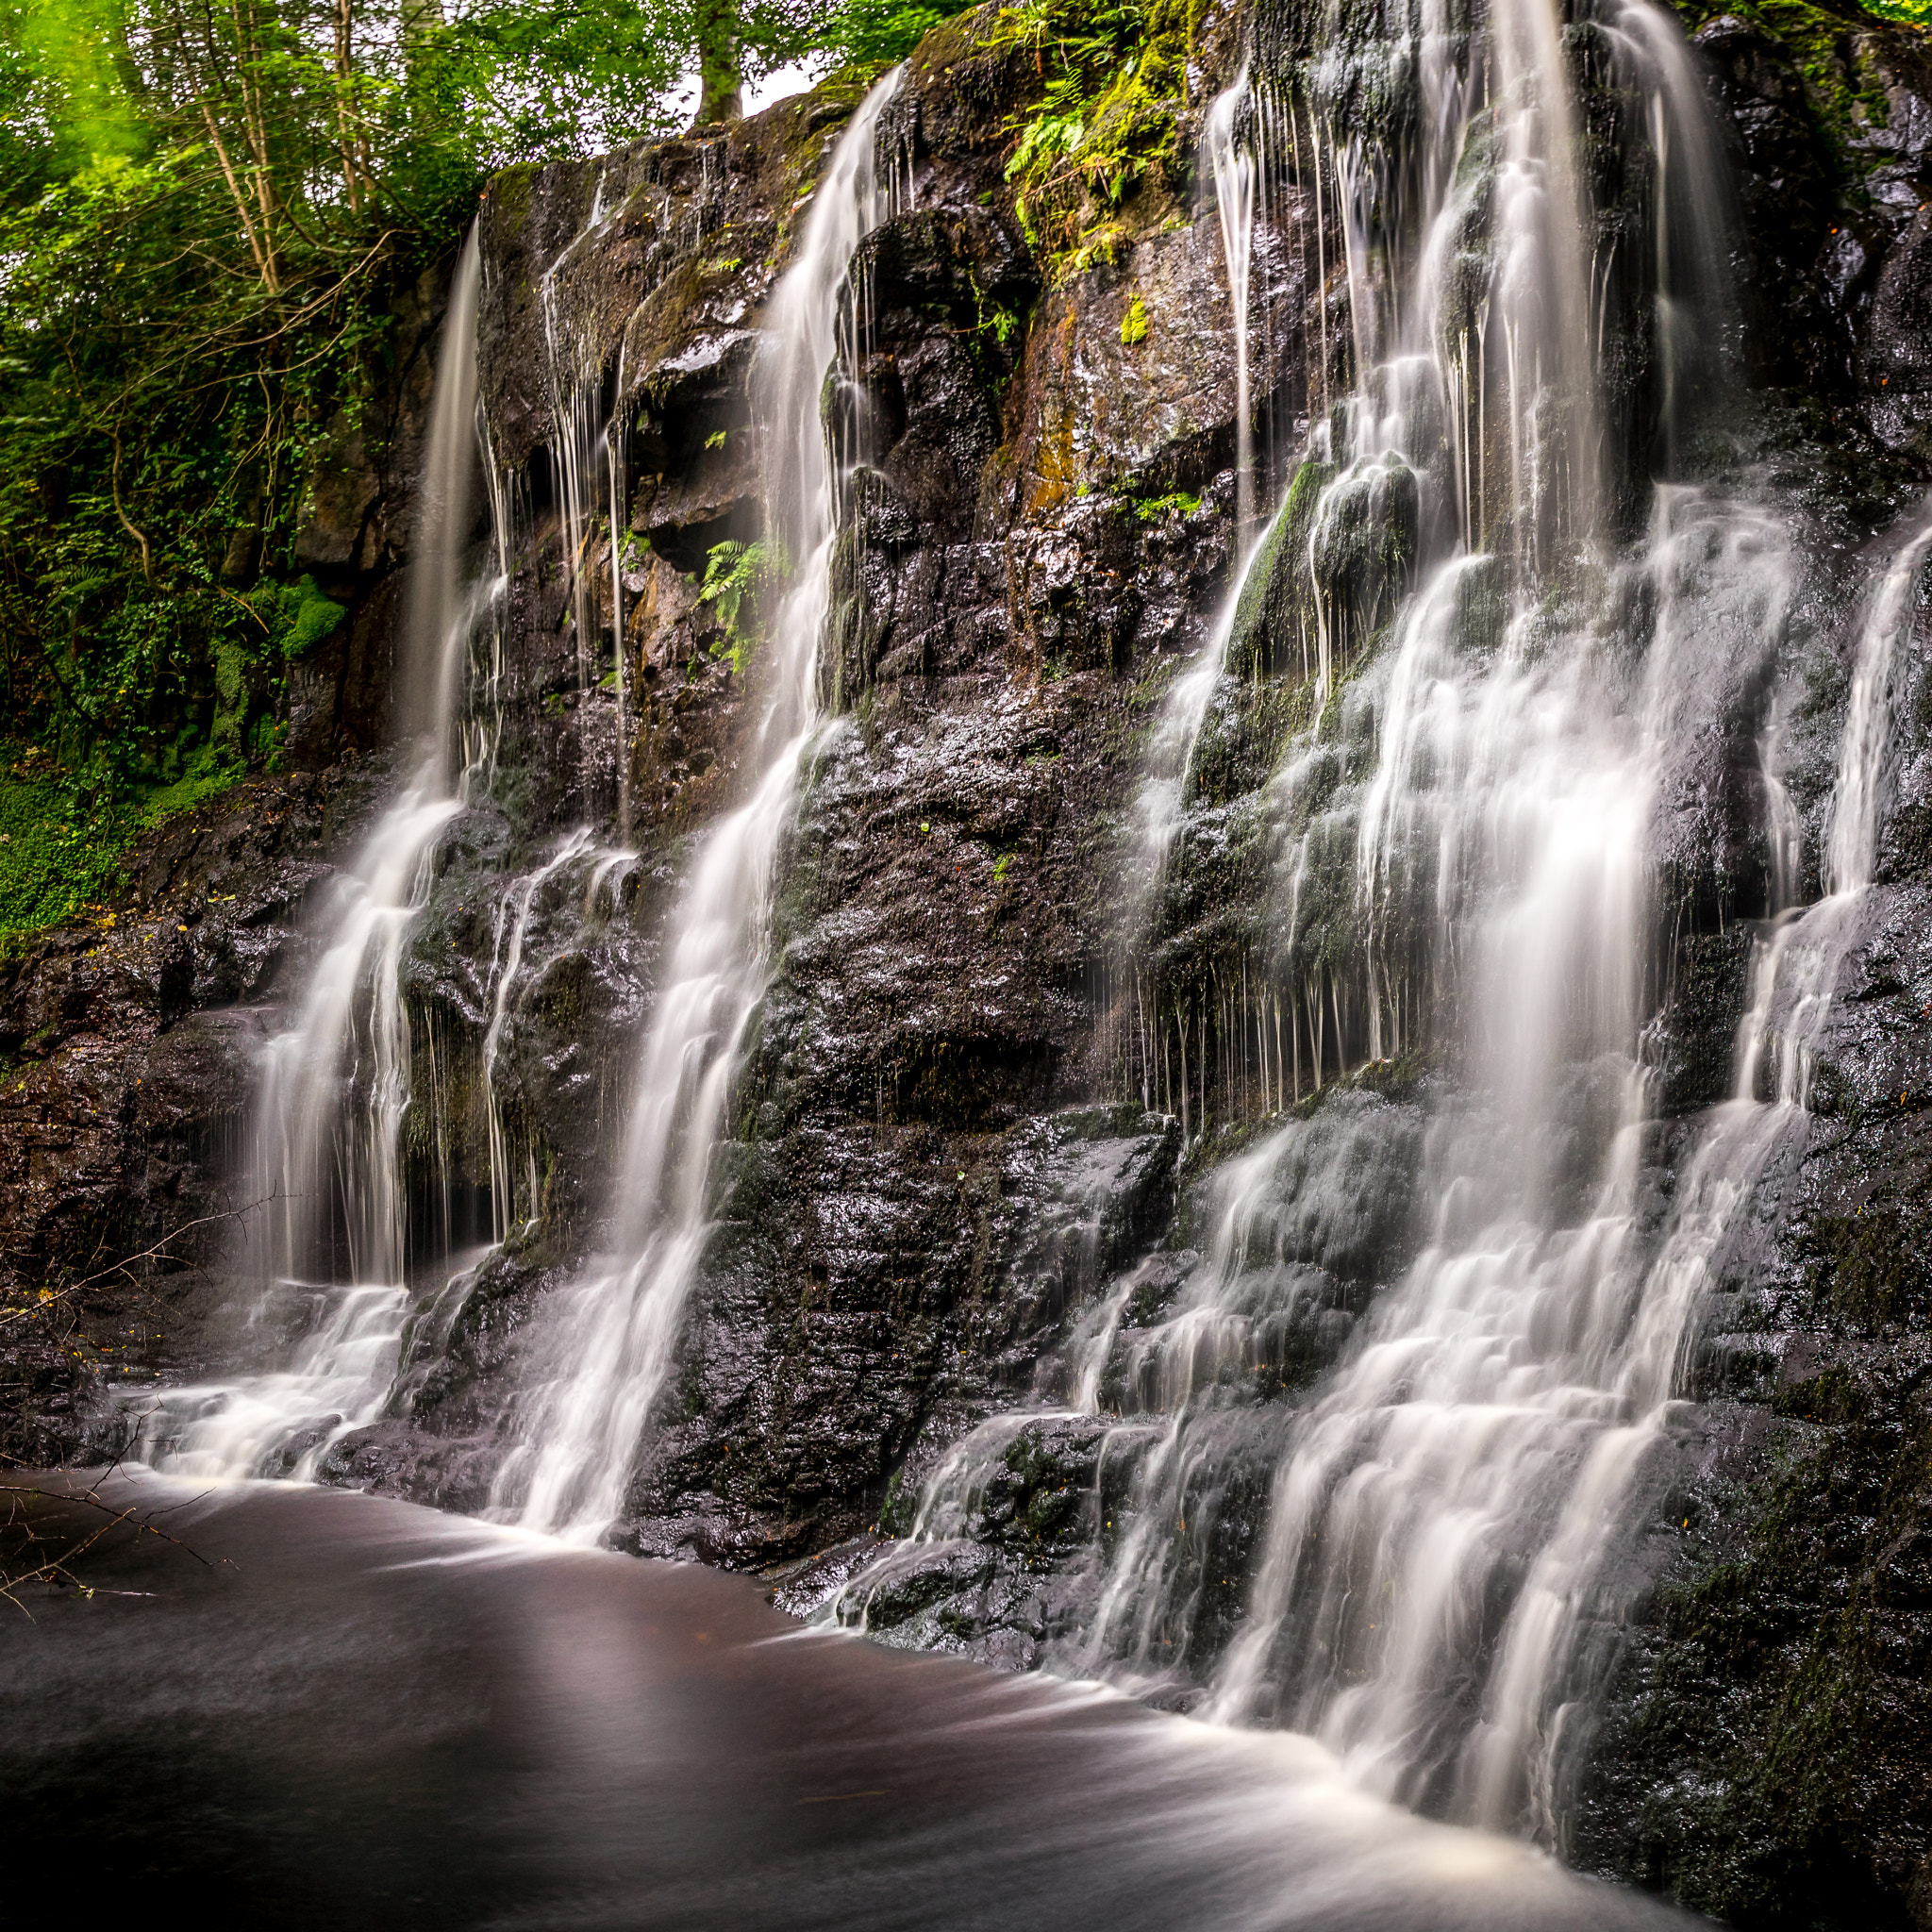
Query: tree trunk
[(721, 95)]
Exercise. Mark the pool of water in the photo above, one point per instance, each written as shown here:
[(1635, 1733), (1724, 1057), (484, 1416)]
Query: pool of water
[(343, 1713)]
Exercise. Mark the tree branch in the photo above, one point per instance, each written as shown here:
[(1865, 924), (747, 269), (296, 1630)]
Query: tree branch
[(214, 134), (52, 1297), (59, 1568), (147, 570)]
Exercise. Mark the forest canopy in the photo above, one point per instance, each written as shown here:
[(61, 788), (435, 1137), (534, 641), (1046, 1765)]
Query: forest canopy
[(206, 211)]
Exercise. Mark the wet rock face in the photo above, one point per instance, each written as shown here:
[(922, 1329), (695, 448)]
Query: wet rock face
[(129, 1051), (361, 517), (919, 1192), (865, 1280), (1762, 1754), (954, 1136), (1830, 124)]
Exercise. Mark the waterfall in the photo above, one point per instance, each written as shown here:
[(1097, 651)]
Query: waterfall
[(607, 1351), (1465, 867), (1795, 972), (1513, 1379), (507, 958), (1693, 304), (1867, 747), (1236, 170), (331, 1244), (1512, 1384), (1235, 134)]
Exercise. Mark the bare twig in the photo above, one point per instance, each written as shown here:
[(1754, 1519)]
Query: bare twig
[(59, 1568), (243, 603), (146, 561), (159, 1251), (240, 202)]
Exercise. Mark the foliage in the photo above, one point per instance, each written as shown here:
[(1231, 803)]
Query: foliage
[(1134, 324), (206, 219), (736, 577), (869, 36), (38, 841), (1150, 509), (1842, 83), (1907, 13), (1114, 79), (60, 850)]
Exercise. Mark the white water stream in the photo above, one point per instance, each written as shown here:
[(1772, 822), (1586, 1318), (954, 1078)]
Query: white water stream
[(1430, 1596), (1427, 1595), (606, 1347), (1234, 133), (331, 1239)]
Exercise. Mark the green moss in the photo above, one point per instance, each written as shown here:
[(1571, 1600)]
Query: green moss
[(1275, 620), (1842, 86), (61, 855), (900, 1508), (302, 617), (186, 793), (1112, 83), (1134, 324), (507, 194)]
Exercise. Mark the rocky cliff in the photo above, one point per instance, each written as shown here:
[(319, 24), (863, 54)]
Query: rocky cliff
[(956, 1129)]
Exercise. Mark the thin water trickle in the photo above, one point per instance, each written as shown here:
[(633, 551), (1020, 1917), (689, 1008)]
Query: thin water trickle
[(506, 959), (1162, 801), (330, 1243), (1235, 170), (1233, 133), (1796, 969), (606, 1345)]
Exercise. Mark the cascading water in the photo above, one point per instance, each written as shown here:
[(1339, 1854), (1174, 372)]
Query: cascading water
[(1500, 878), (1236, 170), (585, 444), (1465, 873), (1526, 1354), (608, 1349), (513, 915), (331, 1242), (1796, 971), (1234, 134), (1866, 753)]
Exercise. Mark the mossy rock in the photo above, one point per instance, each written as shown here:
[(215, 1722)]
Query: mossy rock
[(1275, 620), (1362, 544)]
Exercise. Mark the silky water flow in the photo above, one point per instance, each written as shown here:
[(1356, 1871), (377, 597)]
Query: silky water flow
[(1235, 135), (328, 1233), (606, 1343), (1495, 717), (1427, 1592)]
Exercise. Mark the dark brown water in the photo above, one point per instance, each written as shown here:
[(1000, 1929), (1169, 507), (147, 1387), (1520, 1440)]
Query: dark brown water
[(367, 1715)]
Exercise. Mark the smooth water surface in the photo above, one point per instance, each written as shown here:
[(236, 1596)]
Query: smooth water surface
[(367, 1714)]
